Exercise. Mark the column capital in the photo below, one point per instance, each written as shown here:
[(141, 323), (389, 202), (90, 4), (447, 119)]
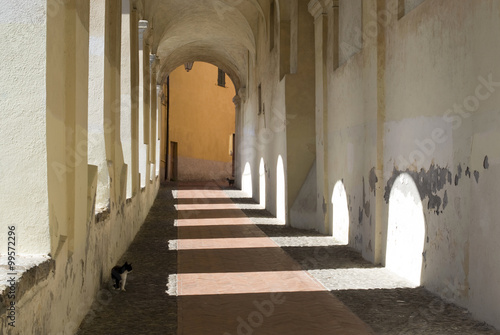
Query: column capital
[(237, 101), (317, 8), (331, 3), (242, 93), (143, 25)]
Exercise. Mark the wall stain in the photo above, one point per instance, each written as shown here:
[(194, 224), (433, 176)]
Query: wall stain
[(432, 181), (458, 175), (428, 184), (366, 204), (373, 180)]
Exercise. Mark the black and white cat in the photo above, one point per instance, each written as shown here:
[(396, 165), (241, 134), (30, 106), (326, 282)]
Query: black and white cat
[(119, 275)]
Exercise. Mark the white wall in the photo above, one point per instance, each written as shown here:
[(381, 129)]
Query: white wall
[(422, 98), (23, 164)]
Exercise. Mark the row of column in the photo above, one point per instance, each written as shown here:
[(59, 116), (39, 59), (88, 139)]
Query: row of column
[(101, 114)]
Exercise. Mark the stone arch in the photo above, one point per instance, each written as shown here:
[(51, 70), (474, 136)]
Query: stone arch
[(406, 230)]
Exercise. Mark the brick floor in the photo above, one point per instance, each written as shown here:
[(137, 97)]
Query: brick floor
[(231, 278)]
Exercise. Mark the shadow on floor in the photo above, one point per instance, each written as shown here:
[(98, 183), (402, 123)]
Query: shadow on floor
[(144, 308), (410, 311)]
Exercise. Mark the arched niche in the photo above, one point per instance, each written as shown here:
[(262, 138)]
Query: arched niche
[(406, 230)]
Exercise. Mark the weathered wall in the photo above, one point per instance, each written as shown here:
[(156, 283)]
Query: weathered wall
[(442, 111), (420, 98), (96, 145), (201, 122), (281, 122), (300, 121), (60, 274)]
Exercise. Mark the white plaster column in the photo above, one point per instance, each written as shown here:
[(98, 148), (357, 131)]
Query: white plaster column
[(238, 163), (152, 143), (67, 98), (126, 94), (317, 10), (23, 165), (96, 142), (163, 134), (159, 127), (146, 91), (135, 88), (112, 101), (82, 208), (382, 210), (332, 11), (143, 159)]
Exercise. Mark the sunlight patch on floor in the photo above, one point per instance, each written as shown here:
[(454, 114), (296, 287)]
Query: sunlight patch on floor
[(360, 279)]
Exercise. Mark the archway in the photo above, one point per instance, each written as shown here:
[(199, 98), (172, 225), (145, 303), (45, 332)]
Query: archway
[(340, 220), (406, 230)]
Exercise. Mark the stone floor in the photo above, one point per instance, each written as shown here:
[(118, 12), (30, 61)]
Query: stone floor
[(211, 261)]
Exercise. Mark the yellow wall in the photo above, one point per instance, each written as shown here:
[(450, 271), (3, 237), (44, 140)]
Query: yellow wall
[(201, 115)]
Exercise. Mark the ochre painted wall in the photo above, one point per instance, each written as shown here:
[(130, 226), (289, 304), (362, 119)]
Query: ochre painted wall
[(201, 122)]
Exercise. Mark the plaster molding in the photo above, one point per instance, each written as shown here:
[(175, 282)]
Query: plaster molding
[(331, 3), (243, 93), (237, 101), (143, 25), (316, 8)]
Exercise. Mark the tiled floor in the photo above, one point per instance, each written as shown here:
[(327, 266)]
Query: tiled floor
[(233, 279)]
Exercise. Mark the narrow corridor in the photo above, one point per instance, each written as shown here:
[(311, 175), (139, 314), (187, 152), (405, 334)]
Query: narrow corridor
[(204, 264)]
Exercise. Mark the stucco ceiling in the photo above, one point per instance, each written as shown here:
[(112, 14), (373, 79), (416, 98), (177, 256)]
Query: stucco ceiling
[(221, 32)]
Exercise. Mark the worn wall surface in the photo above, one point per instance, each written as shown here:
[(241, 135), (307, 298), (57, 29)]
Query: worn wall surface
[(279, 125), (412, 127), (201, 122), (375, 121), (442, 112), (65, 244)]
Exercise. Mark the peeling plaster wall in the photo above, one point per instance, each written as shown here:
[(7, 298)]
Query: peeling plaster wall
[(352, 106), (422, 97), (442, 123)]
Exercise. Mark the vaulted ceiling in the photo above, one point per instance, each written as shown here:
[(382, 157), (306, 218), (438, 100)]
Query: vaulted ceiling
[(221, 32)]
